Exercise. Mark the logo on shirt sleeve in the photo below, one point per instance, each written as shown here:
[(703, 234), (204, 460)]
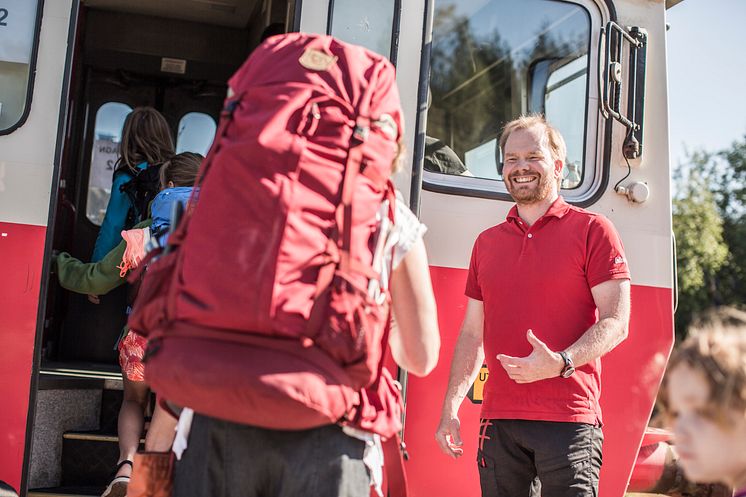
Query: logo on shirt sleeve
[(619, 260)]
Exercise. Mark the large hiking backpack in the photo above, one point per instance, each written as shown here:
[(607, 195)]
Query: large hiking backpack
[(265, 308)]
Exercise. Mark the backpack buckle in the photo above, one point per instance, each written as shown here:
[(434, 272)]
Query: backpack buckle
[(361, 132), (403, 449), (230, 107)]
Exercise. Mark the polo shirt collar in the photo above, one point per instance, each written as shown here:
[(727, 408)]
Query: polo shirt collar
[(558, 209)]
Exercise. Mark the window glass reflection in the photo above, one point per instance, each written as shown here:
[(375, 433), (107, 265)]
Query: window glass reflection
[(493, 60), (107, 135), (17, 33), (196, 132), (368, 23)]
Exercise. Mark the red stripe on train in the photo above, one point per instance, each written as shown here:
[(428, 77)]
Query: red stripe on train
[(21, 254), (631, 375)]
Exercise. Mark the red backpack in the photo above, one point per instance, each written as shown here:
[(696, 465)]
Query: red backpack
[(265, 308)]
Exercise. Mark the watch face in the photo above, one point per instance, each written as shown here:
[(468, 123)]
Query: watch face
[(568, 371)]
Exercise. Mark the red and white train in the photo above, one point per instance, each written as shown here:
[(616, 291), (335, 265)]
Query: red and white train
[(71, 70)]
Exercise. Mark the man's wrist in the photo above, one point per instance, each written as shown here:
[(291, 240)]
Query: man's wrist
[(560, 363), (568, 366)]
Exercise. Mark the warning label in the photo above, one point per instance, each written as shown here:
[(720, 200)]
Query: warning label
[(476, 392)]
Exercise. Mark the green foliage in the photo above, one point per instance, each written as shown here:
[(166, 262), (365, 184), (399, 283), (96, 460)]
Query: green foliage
[(701, 249), (709, 221)]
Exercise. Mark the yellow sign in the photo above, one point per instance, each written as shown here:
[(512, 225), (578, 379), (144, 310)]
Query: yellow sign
[(476, 392)]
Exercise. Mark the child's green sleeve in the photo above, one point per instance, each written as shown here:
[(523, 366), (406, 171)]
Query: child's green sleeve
[(97, 278)]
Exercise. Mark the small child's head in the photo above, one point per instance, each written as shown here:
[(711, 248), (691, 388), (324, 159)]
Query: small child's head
[(706, 386), (180, 170)]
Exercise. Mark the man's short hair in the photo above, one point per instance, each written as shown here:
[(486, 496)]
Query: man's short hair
[(717, 347), (556, 143)]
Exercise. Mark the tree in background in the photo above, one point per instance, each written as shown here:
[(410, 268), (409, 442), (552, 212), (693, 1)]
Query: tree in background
[(709, 221)]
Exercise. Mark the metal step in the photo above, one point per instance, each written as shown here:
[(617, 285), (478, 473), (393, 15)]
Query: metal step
[(90, 436), (66, 492), (89, 458), (81, 370)]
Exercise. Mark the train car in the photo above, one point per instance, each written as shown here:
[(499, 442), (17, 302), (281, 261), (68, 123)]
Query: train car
[(71, 70)]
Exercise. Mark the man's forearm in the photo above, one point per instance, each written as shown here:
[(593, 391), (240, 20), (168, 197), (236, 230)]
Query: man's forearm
[(468, 357), (599, 339)]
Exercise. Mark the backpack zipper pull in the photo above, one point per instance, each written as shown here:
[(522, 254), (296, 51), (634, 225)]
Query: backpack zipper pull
[(316, 114)]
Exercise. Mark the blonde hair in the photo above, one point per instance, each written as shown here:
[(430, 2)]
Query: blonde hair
[(717, 347), (556, 143)]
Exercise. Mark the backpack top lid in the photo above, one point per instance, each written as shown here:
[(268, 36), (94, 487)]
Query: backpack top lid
[(341, 70)]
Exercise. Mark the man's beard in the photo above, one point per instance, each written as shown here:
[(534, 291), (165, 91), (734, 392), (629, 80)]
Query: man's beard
[(527, 196)]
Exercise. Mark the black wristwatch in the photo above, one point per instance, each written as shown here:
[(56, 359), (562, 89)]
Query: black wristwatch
[(569, 368)]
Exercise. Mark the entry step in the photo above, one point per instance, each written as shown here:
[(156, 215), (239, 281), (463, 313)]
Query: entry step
[(82, 370), (94, 436), (67, 492), (89, 458)]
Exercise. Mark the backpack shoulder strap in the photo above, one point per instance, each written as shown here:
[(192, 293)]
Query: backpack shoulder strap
[(393, 460)]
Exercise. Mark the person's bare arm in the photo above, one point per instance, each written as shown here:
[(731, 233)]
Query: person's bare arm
[(612, 299), (468, 357), (415, 339)]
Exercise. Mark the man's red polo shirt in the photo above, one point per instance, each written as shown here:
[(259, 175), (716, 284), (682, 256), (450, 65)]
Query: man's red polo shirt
[(540, 278)]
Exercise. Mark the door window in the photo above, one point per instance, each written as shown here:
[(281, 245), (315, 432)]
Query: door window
[(369, 23), (493, 60), (107, 135), (18, 36), (196, 132)]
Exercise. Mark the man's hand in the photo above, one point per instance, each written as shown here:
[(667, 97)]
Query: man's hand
[(541, 364), (93, 299), (448, 436)]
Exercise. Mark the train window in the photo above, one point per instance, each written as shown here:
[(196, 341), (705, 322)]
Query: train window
[(493, 60), (107, 134), (196, 132), (18, 37), (369, 23)]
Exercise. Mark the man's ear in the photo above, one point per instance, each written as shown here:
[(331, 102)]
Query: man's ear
[(558, 165)]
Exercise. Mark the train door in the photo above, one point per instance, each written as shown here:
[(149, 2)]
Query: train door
[(84, 332), (466, 68), (33, 52), (87, 331)]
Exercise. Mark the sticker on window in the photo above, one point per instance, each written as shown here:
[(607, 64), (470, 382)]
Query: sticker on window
[(17, 18)]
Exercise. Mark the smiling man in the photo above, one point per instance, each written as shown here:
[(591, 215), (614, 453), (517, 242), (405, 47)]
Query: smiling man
[(548, 295)]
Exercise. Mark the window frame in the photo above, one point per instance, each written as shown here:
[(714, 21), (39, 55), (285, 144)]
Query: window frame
[(597, 132), (90, 157), (395, 28), (32, 71)]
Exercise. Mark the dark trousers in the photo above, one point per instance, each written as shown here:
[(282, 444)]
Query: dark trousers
[(226, 459), (564, 457)]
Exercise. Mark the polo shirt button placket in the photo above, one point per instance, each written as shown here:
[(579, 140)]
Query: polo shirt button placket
[(530, 235)]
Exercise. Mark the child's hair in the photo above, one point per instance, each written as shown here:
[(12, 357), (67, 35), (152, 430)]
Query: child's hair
[(146, 137), (717, 347), (181, 169)]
